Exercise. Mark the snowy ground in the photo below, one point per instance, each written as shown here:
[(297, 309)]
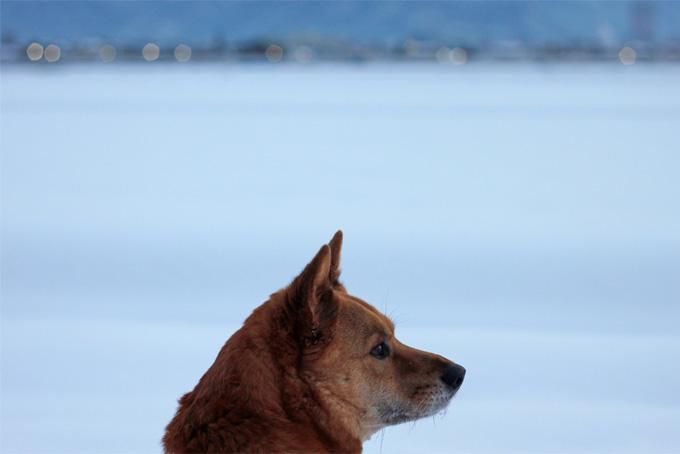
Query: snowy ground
[(523, 221)]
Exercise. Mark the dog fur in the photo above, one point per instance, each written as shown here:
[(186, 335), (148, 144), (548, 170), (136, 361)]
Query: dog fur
[(313, 369)]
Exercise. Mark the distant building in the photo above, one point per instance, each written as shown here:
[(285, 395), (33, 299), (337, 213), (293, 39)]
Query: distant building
[(642, 21)]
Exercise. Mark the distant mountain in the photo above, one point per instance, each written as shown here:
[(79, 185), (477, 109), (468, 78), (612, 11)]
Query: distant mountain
[(471, 23)]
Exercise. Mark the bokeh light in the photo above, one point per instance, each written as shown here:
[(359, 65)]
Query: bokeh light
[(442, 55), (457, 55), (274, 53), (107, 53), (303, 54), (182, 53), (52, 53), (34, 51), (627, 56), (151, 52)]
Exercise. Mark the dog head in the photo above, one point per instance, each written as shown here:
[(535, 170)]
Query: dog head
[(353, 360)]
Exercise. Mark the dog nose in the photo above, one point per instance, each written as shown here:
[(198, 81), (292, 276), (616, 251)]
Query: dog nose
[(454, 375)]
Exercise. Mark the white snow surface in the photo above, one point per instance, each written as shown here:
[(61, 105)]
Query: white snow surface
[(521, 220)]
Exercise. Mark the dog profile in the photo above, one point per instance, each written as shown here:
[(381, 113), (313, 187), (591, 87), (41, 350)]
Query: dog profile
[(313, 369)]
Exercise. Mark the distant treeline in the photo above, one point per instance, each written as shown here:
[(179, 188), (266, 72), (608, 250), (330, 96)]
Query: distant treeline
[(411, 50)]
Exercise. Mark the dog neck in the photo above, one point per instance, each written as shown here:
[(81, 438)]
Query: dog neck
[(306, 400), (257, 378)]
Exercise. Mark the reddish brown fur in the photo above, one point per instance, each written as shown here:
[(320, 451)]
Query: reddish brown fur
[(297, 376)]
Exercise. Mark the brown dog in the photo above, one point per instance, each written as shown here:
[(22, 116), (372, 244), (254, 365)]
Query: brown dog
[(313, 369)]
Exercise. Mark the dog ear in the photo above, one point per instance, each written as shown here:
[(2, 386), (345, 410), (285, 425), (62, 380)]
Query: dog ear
[(336, 249), (311, 288)]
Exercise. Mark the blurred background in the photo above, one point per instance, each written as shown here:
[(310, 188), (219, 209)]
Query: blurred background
[(506, 175)]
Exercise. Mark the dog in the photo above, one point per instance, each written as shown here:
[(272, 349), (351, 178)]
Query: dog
[(313, 369)]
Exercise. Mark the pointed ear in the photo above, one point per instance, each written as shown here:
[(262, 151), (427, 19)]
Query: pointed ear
[(336, 250), (319, 268), (309, 289)]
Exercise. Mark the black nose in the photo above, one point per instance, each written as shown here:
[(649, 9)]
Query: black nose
[(454, 375)]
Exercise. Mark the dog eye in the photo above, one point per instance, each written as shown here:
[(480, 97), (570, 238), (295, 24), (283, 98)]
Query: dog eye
[(380, 351)]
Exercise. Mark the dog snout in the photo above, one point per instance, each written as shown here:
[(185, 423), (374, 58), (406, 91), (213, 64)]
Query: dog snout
[(453, 376)]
